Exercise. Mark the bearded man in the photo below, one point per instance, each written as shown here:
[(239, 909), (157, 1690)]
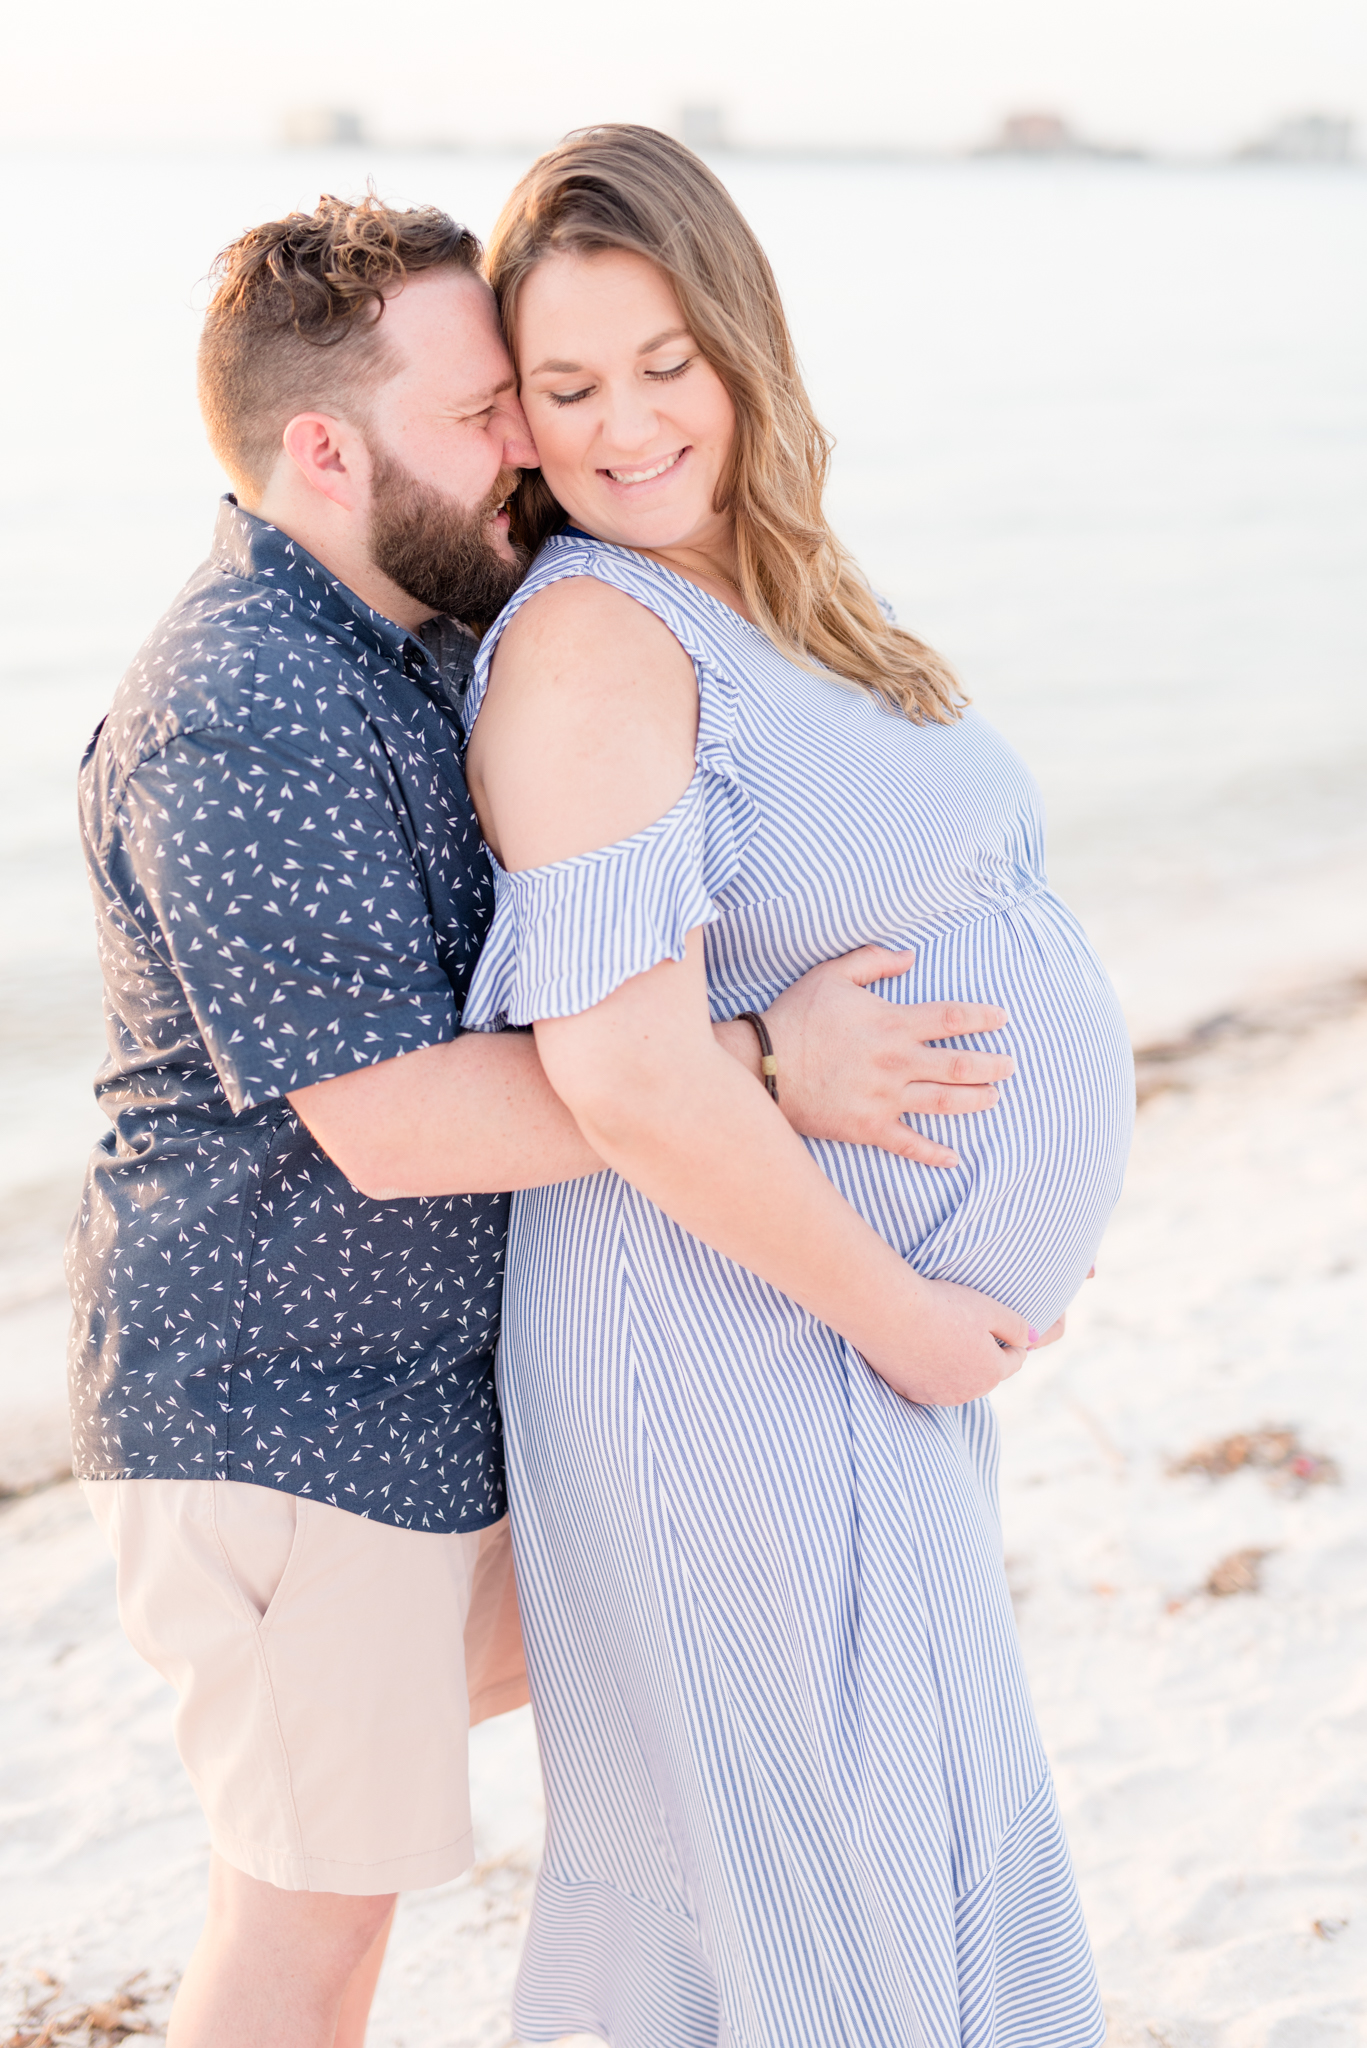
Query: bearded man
[(287, 1265)]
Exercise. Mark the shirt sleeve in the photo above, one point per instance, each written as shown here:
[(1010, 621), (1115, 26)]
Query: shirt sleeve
[(566, 935), (291, 908)]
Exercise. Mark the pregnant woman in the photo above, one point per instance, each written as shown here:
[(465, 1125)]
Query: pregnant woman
[(796, 1796)]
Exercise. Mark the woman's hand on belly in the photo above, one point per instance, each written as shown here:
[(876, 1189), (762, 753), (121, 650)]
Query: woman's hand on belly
[(960, 1347)]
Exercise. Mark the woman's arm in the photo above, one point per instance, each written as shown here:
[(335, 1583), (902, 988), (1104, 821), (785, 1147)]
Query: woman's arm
[(586, 737), (660, 1101)]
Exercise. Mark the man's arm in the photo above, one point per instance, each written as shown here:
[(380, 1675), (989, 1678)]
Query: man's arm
[(322, 983), (478, 1116), (475, 1116)]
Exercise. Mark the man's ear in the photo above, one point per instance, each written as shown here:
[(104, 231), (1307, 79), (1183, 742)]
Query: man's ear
[(331, 457)]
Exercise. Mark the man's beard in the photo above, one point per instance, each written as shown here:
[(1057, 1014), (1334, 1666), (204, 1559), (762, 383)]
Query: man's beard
[(437, 549)]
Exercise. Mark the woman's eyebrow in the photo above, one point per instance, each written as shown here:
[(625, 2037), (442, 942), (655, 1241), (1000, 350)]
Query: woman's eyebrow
[(648, 348), (552, 367)]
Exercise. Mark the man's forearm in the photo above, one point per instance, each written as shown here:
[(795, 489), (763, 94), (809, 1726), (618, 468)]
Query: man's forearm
[(472, 1117), (475, 1116)]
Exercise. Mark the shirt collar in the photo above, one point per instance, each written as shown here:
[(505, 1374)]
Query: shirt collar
[(247, 546)]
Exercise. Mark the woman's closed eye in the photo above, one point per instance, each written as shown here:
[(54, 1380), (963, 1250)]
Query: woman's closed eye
[(665, 376)]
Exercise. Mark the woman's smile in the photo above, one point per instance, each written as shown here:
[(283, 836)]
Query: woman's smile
[(646, 476)]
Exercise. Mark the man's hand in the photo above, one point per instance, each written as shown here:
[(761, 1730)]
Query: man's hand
[(851, 1065)]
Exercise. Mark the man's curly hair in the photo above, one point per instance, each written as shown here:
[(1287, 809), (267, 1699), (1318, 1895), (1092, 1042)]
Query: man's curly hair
[(294, 321)]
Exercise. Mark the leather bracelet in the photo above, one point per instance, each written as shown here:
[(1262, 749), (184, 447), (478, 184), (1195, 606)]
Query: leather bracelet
[(768, 1064)]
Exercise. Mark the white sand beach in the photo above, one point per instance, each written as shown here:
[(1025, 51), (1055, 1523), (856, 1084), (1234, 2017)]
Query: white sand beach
[(1209, 1746)]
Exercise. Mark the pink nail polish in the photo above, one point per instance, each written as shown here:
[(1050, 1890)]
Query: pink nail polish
[(1034, 1334)]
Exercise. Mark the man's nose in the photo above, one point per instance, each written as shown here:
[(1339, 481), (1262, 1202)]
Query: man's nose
[(519, 449)]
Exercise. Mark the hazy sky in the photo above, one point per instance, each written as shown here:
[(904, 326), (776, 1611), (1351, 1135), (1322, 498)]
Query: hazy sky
[(1175, 74)]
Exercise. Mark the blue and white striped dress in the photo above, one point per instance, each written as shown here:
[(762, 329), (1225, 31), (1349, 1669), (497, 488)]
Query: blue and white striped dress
[(796, 1795)]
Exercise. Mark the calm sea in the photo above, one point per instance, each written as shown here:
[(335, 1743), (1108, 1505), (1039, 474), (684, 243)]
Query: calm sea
[(1102, 436)]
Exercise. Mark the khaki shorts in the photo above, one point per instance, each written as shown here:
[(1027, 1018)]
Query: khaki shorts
[(320, 1660)]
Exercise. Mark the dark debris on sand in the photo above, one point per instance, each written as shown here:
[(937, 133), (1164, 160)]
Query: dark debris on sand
[(107, 2021), (1240, 1572), (1175, 1063), (1275, 1449)]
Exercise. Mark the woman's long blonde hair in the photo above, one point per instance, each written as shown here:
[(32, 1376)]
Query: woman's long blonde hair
[(622, 187)]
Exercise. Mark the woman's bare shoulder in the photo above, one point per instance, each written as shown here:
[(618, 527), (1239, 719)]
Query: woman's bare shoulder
[(583, 676), (582, 631)]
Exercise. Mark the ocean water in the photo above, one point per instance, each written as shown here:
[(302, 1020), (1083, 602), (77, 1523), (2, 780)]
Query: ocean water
[(1101, 435)]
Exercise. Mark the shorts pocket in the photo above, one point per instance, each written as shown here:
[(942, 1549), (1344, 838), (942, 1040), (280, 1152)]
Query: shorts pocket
[(258, 1532)]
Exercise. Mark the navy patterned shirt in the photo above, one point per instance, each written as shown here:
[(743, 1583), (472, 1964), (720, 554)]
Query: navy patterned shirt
[(289, 884)]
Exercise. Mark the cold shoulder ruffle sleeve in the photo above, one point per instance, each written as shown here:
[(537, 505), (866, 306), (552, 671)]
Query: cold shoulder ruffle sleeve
[(565, 935)]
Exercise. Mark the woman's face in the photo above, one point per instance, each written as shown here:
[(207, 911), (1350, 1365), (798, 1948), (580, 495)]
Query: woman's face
[(632, 425)]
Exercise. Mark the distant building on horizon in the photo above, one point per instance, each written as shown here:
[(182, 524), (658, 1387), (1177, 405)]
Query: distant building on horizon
[(321, 128), (1034, 135), (1303, 139), (1038, 133), (702, 128)]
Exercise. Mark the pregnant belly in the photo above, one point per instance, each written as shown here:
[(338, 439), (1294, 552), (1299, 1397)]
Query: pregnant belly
[(1022, 1215)]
